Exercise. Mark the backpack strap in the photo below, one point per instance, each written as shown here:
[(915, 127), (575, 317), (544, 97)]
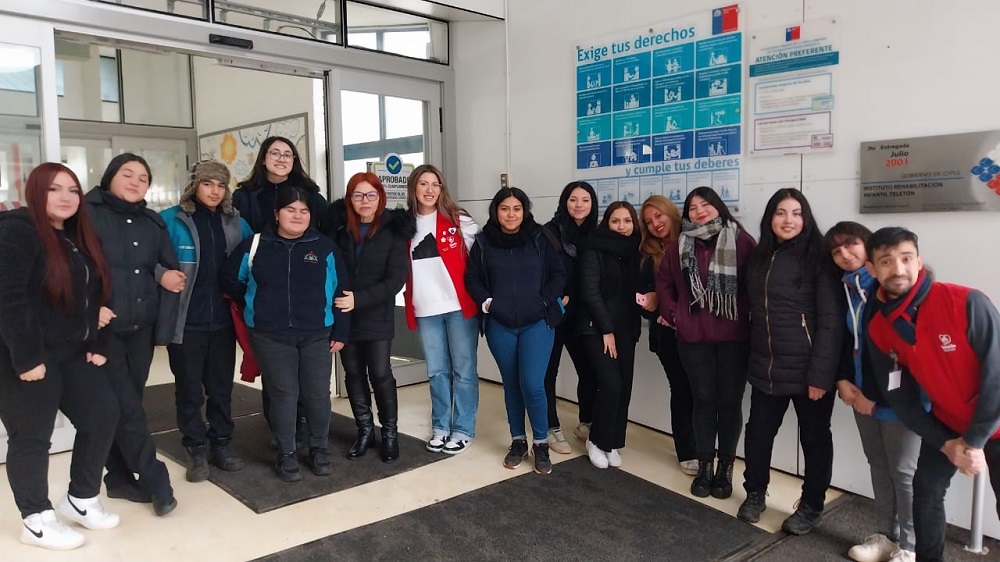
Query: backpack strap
[(253, 250)]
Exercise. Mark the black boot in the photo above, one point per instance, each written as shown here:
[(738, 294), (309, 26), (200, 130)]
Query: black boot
[(222, 457), (197, 470), (722, 482), (702, 485), (361, 406), (388, 414)]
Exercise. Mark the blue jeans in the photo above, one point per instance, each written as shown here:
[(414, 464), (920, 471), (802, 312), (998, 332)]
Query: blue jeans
[(522, 355), (449, 341)]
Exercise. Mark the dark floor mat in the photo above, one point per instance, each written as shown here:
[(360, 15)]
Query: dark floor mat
[(847, 522), (161, 411), (258, 487), (576, 513)]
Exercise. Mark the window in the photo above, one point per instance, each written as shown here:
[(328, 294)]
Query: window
[(187, 8), (308, 19), (409, 35)]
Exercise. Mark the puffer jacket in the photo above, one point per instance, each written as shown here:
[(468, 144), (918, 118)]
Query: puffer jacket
[(138, 252), (609, 280), (378, 273), (797, 316)]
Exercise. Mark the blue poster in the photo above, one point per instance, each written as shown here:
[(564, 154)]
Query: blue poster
[(669, 118), (673, 60), (631, 95), (593, 155), (593, 129), (719, 51), (673, 89), (717, 112), (674, 146), (724, 141), (632, 151), (720, 81), (631, 123), (593, 75), (630, 68), (593, 102)]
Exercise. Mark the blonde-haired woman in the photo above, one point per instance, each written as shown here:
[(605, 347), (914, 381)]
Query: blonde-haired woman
[(660, 224), (439, 305)]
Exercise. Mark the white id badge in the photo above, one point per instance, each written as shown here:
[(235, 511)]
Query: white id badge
[(895, 379)]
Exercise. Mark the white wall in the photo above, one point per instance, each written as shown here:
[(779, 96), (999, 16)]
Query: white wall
[(227, 97), (907, 69)]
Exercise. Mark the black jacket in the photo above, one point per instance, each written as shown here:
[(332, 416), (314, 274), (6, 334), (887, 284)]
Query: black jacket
[(796, 315), (609, 279), (525, 282), (256, 206), (31, 329), (378, 273), (138, 252)]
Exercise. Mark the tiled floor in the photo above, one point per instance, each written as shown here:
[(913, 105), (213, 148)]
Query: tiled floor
[(210, 524)]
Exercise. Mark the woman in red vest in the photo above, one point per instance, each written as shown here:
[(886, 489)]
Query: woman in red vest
[(438, 304)]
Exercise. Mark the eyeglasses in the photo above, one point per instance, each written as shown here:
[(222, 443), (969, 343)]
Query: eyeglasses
[(278, 155), (435, 185), (371, 196)]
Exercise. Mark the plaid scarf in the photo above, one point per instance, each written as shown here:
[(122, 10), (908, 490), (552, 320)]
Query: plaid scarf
[(720, 293)]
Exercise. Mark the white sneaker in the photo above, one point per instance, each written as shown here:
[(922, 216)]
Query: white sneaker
[(47, 531), (455, 446), (558, 443), (614, 458), (598, 457), (88, 512), (436, 443), (903, 556), (876, 548), (689, 467)]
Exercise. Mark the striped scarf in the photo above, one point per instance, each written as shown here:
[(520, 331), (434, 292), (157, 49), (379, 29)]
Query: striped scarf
[(720, 293)]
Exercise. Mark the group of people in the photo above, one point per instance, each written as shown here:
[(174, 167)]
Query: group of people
[(92, 283)]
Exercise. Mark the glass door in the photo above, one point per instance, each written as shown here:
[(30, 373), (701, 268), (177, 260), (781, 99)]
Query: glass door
[(29, 133), (381, 115)]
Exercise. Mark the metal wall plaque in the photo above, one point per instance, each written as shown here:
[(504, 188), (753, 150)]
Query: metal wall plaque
[(928, 174)]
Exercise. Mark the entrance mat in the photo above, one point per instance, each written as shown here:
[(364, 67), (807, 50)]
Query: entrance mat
[(161, 410), (576, 513), (848, 520), (258, 487)]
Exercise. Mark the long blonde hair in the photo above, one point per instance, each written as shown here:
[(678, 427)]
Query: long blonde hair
[(445, 204), (651, 246)]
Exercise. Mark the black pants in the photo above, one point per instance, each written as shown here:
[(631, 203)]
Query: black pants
[(28, 411), (133, 452), (204, 367), (366, 361), (766, 413), (930, 483), (614, 389), (681, 402), (585, 390), (296, 368), (718, 378)]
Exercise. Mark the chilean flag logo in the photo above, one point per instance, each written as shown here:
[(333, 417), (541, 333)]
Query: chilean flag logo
[(792, 33)]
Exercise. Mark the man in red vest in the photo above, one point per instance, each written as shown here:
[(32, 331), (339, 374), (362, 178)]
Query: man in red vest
[(942, 340)]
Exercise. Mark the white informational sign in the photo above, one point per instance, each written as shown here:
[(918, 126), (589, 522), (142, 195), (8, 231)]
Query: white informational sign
[(393, 173), (791, 85), (659, 109)]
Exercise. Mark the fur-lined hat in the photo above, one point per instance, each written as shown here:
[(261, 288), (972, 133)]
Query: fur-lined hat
[(208, 170)]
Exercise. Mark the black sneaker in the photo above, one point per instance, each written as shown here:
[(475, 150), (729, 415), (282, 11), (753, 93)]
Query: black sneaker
[(803, 521), (701, 486), (319, 462), (542, 463), (222, 457), (131, 492), (164, 504), (722, 482), (752, 507), (287, 468), (515, 453)]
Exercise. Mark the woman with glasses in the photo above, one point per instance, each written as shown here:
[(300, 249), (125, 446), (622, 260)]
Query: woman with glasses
[(438, 303), (373, 240), (278, 164)]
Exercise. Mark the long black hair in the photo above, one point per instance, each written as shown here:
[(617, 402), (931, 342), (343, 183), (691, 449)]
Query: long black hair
[(297, 177), (516, 193), (116, 163), (810, 237), (713, 199)]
